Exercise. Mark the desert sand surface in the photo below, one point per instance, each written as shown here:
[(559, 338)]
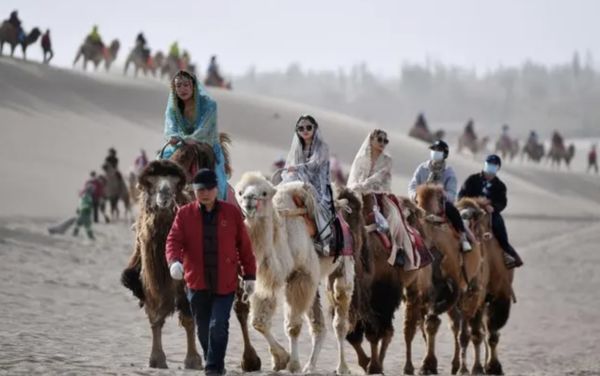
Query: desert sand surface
[(64, 311)]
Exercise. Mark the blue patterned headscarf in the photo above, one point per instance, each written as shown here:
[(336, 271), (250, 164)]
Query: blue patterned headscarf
[(202, 129)]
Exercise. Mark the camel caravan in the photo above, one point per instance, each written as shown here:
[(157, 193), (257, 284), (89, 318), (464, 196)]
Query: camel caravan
[(306, 234), (507, 146)]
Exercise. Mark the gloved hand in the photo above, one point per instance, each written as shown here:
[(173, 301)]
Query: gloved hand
[(176, 270), (248, 288)]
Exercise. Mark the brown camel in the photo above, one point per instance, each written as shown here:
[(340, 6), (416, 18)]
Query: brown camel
[(115, 190), (140, 61), (450, 276), (486, 304), (507, 147), (474, 145), (559, 153), (8, 34), (95, 53), (533, 150), (147, 274), (385, 298), (188, 158)]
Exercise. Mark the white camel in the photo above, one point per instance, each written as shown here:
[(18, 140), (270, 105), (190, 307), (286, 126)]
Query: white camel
[(286, 259)]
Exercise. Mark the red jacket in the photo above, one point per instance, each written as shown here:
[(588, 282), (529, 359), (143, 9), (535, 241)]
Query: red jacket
[(185, 244)]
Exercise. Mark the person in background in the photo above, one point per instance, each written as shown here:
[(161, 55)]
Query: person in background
[(47, 47), (84, 212), (592, 159)]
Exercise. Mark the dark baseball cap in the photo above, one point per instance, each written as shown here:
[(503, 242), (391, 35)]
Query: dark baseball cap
[(204, 179)]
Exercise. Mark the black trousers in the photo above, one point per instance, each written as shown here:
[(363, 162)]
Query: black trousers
[(499, 230), (454, 217)]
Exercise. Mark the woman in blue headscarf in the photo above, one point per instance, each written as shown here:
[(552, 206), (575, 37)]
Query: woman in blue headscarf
[(192, 115)]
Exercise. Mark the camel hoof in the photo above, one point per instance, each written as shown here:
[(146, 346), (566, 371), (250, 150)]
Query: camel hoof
[(158, 361), (464, 370), (342, 369), (374, 368), (477, 369), (250, 361), (364, 363), (409, 369), (294, 366), (193, 362), (494, 368), (280, 360), (455, 367), (429, 366)]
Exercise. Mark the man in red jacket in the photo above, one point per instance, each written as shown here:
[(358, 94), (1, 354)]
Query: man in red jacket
[(207, 244)]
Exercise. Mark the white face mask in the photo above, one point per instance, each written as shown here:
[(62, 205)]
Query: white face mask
[(491, 169), (436, 155)]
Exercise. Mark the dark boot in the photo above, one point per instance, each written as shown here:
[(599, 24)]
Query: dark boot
[(400, 257)]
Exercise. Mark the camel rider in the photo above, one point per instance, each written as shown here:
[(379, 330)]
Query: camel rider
[(487, 184), (470, 131), (94, 37), (140, 42), (435, 171), (112, 159), (213, 69), (371, 173), (174, 51), (308, 161), (16, 22), (533, 138), (557, 140)]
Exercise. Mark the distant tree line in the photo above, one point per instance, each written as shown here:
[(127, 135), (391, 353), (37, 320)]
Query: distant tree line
[(532, 96)]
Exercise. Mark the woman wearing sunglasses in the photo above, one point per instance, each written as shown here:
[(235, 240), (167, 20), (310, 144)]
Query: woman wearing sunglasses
[(371, 173), (308, 161)]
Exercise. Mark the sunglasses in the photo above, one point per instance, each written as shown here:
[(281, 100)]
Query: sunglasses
[(302, 128), (383, 140)]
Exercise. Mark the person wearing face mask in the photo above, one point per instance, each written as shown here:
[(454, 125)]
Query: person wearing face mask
[(435, 171), (487, 184)]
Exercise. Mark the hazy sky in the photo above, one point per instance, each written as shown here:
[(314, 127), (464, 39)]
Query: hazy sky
[(323, 34)]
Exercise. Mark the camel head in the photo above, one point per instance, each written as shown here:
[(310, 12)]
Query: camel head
[(430, 197), (253, 192), (473, 215), (161, 182)]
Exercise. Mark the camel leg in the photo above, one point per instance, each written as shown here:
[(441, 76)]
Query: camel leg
[(432, 324), (341, 294), (316, 320), (192, 358), (355, 338), (385, 343), (477, 339), (158, 358), (263, 309), (498, 312), (455, 319), (12, 50), (375, 366), (411, 320), (464, 338), (250, 360)]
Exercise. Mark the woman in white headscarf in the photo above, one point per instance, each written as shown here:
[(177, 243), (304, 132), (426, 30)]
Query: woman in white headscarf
[(308, 161), (371, 173)]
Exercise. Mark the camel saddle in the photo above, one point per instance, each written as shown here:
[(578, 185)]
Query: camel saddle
[(341, 242)]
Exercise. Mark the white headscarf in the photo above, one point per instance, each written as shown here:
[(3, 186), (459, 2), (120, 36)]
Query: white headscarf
[(369, 177)]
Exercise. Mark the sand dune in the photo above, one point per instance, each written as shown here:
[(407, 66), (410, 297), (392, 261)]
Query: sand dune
[(62, 305)]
